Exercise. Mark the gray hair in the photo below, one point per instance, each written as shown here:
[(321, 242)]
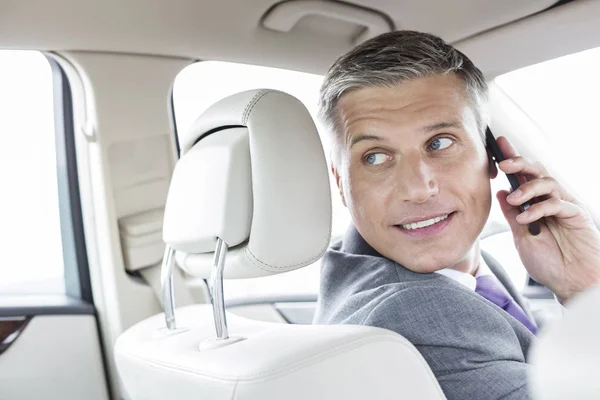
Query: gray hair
[(396, 57)]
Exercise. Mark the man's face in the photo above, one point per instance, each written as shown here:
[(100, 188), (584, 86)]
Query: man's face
[(412, 154)]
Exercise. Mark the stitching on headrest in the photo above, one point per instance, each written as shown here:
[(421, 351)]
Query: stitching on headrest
[(252, 103), (258, 263)]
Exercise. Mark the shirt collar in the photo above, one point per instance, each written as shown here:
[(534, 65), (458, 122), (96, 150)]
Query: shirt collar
[(465, 279)]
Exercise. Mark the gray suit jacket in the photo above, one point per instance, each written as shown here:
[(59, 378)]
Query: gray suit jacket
[(475, 349)]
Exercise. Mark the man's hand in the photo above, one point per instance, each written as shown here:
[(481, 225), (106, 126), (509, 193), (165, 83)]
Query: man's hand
[(565, 256)]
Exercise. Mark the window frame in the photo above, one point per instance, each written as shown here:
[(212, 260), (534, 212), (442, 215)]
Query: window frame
[(76, 267)]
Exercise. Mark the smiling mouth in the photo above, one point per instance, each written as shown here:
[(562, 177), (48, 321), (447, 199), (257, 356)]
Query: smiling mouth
[(425, 223)]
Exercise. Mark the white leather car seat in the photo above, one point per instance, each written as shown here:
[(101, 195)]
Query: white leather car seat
[(250, 197), (565, 360)]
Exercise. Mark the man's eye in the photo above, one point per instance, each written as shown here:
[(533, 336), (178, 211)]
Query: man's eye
[(376, 158), (440, 144)]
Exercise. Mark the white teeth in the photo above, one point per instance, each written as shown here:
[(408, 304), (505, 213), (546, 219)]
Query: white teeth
[(423, 224)]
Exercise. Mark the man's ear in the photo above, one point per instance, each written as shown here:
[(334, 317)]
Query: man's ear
[(338, 182), (492, 167)]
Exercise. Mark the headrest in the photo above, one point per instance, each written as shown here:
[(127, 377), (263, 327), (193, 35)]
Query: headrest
[(253, 173)]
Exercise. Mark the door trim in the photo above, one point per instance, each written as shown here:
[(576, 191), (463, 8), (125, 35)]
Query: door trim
[(10, 330)]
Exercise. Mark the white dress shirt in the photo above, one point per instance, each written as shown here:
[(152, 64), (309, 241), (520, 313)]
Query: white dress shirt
[(468, 280)]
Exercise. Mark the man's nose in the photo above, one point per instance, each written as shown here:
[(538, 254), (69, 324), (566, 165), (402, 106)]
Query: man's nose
[(417, 180)]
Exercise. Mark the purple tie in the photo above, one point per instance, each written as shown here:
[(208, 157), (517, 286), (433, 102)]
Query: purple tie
[(490, 288)]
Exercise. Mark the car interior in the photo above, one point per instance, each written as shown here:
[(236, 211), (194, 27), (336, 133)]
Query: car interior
[(168, 197)]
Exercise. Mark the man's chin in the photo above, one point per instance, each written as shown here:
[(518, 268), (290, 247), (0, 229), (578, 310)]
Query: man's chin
[(430, 263), (425, 269)]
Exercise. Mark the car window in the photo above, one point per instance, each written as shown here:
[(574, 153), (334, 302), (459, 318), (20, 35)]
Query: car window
[(201, 84), (32, 258), (561, 97)]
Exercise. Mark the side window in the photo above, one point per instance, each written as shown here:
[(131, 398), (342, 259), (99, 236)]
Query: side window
[(560, 97), (38, 251), (202, 84)]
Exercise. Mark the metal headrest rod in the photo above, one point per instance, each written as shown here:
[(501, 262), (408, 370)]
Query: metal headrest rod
[(216, 289), (166, 280), (216, 293)]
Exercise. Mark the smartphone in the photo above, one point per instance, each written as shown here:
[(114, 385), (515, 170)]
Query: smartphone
[(497, 156)]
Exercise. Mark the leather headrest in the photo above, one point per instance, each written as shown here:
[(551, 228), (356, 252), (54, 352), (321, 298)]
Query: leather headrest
[(252, 173)]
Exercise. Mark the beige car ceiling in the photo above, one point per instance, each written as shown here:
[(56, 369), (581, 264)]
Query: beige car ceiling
[(233, 30)]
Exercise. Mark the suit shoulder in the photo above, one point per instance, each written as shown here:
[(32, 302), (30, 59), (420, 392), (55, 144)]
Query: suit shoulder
[(436, 308)]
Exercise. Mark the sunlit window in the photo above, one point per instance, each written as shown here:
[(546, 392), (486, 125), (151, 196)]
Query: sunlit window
[(562, 97), (32, 259)]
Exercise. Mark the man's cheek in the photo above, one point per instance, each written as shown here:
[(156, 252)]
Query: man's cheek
[(362, 195), (358, 196)]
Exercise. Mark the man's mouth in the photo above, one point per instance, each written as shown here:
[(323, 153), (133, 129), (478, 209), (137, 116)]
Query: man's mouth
[(426, 226), (425, 223)]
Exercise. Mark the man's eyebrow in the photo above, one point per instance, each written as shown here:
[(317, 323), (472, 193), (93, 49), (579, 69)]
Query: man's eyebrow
[(360, 138), (441, 125), (426, 129)]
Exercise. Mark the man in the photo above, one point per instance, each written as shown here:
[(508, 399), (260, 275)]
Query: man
[(408, 115)]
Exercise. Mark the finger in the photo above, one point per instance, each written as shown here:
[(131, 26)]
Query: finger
[(538, 187), (553, 207), (510, 213), (523, 166), (508, 150)]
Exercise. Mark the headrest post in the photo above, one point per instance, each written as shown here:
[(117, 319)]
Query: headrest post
[(216, 293), (166, 279)]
